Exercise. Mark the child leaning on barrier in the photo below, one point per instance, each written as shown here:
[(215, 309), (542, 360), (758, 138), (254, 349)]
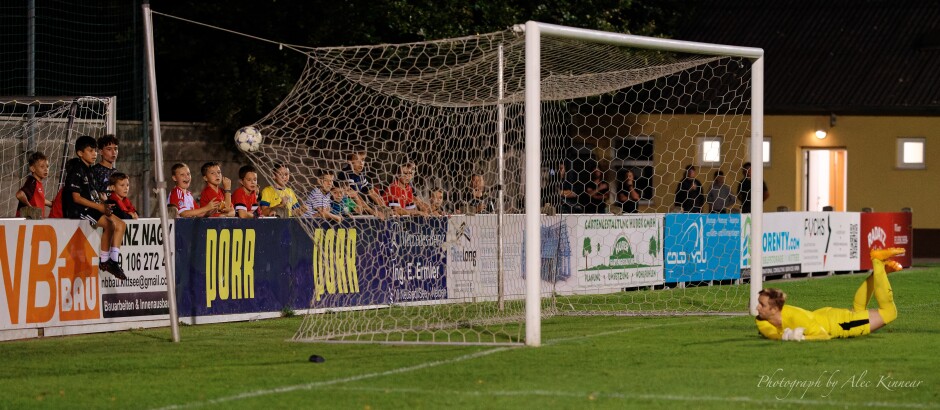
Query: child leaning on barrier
[(32, 198), (279, 199), (217, 188), (120, 187), (245, 198), (319, 203), (181, 200), (342, 203)]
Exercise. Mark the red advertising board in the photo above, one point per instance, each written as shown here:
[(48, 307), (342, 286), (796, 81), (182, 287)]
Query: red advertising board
[(887, 230)]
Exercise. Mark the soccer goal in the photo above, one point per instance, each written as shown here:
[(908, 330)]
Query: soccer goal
[(555, 155), (49, 125)]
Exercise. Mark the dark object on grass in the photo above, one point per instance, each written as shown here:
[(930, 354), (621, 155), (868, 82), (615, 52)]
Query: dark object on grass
[(317, 359)]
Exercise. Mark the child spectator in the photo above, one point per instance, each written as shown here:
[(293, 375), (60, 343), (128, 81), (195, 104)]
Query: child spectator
[(108, 150), (318, 201), (362, 191), (436, 204), (70, 166), (212, 174), (32, 198), (120, 186), (245, 198), (80, 201), (279, 198), (343, 204), (181, 200), (400, 193)]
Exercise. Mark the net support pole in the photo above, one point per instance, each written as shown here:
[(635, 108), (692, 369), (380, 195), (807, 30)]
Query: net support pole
[(158, 173), (30, 76), (533, 159), (757, 181), (501, 137)]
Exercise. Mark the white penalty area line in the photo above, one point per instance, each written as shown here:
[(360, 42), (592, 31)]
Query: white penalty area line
[(593, 396), (426, 365)]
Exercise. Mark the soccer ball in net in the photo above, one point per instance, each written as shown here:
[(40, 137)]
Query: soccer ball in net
[(248, 139)]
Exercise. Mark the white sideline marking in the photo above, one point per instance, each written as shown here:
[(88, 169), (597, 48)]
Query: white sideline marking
[(628, 396)]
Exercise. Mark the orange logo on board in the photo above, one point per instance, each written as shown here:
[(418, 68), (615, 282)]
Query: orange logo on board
[(72, 289)]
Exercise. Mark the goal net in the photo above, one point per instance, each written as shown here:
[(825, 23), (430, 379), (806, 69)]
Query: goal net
[(48, 125), (617, 127)]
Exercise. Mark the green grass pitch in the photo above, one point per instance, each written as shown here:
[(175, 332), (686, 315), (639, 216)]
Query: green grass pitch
[(585, 362)]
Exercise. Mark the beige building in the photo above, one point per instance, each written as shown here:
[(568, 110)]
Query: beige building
[(867, 74)]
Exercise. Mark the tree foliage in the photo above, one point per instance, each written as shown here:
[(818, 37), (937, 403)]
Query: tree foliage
[(211, 75)]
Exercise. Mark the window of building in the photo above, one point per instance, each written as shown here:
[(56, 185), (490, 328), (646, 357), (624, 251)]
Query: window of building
[(911, 153), (709, 151), (766, 150)]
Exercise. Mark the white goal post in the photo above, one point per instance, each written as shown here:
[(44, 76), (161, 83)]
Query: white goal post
[(534, 32)]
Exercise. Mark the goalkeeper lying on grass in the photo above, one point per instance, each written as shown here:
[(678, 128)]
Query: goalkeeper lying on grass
[(783, 322)]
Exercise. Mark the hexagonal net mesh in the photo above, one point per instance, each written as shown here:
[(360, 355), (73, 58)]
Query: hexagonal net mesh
[(424, 138), (48, 125)]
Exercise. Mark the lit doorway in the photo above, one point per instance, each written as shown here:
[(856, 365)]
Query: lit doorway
[(824, 178)]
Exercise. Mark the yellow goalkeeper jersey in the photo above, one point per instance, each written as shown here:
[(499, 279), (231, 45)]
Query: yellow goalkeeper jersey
[(821, 324)]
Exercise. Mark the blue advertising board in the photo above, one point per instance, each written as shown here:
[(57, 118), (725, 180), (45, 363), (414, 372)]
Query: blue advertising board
[(702, 247), (416, 260), (236, 266)]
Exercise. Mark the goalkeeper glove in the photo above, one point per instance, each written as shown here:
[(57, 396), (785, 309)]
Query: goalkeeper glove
[(794, 334)]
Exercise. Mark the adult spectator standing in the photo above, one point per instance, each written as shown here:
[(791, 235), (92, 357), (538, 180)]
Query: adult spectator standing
[(628, 198), (571, 191), (476, 199), (720, 199), (689, 192), (744, 189), (597, 190)]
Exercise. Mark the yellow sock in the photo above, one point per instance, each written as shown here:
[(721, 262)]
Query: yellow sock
[(883, 293), (863, 294)]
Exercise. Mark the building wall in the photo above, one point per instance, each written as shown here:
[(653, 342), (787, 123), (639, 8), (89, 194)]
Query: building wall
[(872, 178)]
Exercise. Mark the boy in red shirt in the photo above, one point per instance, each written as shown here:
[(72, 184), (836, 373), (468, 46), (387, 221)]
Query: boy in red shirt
[(212, 174), (181, 201), (245, 198), (120, 186), (400, 194), (32, 198)]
